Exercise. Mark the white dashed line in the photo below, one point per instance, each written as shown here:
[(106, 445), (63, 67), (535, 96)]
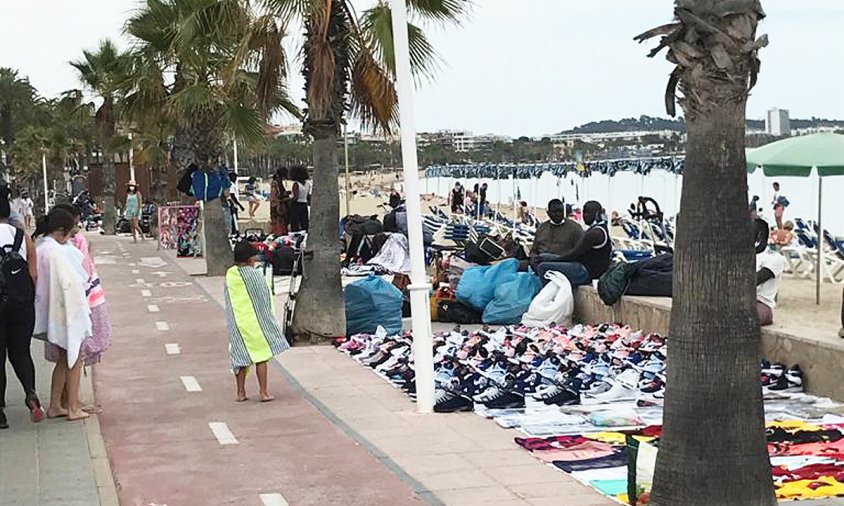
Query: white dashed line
[(172, 348), (162, 326), (132, 264), (146, 293), (135, 271), (273, 500), (152, 308), (191, 385), (222, 433), (140, 281)]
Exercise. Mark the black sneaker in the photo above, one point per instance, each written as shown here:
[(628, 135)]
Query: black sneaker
[(447, 401), (4, 424), (507, 400), (790, 382), (560, 396)]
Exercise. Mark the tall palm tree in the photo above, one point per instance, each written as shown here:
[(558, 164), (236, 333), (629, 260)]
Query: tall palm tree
[(17, 96), (349, 65), (713, 450), (101, 72), (228, 67)]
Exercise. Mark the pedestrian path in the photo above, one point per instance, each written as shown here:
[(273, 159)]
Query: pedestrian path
[(55, 462), (173, 431)]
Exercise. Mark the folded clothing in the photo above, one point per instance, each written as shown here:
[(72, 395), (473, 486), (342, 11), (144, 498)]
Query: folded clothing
[(619, 458)]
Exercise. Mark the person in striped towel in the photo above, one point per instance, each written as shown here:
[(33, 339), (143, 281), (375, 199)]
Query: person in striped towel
[(255, 335)]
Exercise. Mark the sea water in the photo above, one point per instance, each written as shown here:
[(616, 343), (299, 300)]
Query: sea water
[(618, 192)]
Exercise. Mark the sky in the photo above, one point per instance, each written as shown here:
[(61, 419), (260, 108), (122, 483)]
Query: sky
[(514, 67)]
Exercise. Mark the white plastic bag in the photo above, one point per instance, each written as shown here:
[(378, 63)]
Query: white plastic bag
[(554, 304)]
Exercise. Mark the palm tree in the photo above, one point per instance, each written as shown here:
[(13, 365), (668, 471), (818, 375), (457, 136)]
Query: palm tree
[(102, 72), (17, 96), (713, 450), (348, 64), (228, 68)]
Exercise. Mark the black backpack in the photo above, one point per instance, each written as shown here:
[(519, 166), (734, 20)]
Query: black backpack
[(451, 311), (15, 283), (185, 184)]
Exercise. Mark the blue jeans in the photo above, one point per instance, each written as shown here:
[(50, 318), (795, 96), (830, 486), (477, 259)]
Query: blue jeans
[(574, 271)]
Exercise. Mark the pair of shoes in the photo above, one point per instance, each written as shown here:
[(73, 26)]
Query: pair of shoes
[(788, 381), (4, 424)]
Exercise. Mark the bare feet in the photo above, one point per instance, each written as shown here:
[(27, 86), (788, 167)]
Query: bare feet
[(242, 397), (56, 412), (92, 410), (77, 415), (265, 397)]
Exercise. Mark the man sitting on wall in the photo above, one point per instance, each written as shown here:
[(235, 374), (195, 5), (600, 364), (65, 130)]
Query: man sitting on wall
[(556, 236)]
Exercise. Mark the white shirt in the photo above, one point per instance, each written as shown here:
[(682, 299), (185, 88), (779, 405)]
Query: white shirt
[(7, 238), (304, 191), (766, 293)]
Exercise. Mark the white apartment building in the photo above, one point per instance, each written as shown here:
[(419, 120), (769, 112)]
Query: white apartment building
[(778, 122)]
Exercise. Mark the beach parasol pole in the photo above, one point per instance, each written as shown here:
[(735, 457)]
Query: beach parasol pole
[(419, 287)]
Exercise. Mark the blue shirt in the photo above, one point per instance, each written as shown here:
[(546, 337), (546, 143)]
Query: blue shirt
[(208, 186)]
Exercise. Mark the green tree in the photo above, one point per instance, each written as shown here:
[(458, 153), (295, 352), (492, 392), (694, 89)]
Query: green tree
[(228, 67), (101, 72), (17, 98), (713, 449), (348, 65)]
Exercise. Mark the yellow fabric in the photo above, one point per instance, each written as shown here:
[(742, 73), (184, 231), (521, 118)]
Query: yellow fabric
[(793, 425), (800, 489), (613, 438)]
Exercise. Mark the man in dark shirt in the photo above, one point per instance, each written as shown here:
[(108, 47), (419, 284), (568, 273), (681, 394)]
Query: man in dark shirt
[(591, 256), (556, 236), (457, 198)]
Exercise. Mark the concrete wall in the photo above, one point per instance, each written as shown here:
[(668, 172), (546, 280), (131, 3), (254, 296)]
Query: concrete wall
[(822, 361)]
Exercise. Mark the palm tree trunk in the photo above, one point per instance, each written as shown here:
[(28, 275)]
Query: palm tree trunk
[(713, 371), (320, 309)]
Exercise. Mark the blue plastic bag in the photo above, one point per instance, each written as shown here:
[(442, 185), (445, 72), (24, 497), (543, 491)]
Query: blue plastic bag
[(477, 285), (371, 302), (512, 299)]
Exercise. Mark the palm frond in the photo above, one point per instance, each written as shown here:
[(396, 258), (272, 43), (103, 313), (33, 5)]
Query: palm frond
[(289, 10), (442, 11), (244, 122), (192, 99), (377, 30), (373, 96)]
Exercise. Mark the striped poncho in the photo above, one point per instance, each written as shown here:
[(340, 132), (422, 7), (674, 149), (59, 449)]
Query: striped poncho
[(254, 332)]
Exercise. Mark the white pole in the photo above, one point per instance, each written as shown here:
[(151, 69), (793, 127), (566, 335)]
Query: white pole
[(419, 287), (348, 181), (821, 239), (131, 159), (46, 190), (235, 156), (515, 203)]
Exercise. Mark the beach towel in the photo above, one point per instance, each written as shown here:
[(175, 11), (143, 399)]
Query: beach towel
[(62, 314), (254, 332)]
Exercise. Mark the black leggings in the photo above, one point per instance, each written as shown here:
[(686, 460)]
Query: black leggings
[(299, 219), (16, 324)]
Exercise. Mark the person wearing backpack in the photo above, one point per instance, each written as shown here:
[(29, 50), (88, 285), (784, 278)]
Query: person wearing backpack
[(17, 312)]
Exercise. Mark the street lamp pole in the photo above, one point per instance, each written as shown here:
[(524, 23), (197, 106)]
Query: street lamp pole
[(46, 189), (419, 287), (348, 181), (131, 159)]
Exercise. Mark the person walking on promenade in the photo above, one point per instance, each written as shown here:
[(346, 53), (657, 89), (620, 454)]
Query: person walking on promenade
[(255, 335), (133, 209), (100, 340), (17, 311), (62, 313)]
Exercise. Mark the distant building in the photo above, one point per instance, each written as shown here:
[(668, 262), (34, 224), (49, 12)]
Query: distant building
[(778, 123), (461, 141)]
